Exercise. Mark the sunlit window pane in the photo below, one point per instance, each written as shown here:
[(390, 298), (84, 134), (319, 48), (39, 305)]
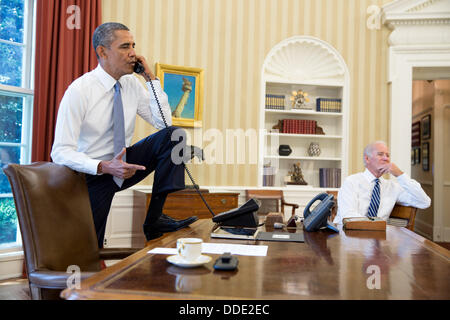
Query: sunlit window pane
[(8, 218), (7, 155), (11, 64), (11, 109), (11, 20)]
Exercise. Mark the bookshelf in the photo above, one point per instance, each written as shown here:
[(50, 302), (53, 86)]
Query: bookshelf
[(307, 65)]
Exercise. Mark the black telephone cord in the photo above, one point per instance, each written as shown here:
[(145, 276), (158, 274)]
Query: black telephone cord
[(184, 165)]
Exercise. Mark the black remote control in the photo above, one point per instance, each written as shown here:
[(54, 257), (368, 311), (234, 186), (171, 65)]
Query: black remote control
[(226, 262)]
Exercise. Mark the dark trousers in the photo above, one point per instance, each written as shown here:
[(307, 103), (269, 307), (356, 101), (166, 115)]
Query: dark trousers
[(153, 152)]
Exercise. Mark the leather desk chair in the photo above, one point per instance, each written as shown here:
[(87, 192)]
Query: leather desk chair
[(271, 201), (55, 218)]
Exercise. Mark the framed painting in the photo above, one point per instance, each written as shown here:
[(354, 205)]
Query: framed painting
[(417, 155), (184, 88), (426, 127), (415, 134), (425, 156)]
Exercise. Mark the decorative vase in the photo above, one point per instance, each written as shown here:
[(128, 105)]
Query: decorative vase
[(284, 150), (314, 149)]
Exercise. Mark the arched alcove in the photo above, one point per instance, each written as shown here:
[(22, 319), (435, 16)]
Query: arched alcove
[(314, 66)]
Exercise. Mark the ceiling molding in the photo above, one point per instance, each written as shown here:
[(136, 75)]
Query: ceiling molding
[(416, 22)]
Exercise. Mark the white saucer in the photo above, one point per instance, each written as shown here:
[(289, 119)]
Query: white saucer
[(180, 262)]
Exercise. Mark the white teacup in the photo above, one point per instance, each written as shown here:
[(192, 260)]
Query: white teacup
[(189, 248)]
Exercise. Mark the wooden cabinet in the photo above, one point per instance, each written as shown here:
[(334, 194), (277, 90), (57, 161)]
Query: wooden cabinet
[(186, 203)]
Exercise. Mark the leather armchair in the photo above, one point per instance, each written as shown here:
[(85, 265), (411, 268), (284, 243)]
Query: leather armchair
[(55, 218)]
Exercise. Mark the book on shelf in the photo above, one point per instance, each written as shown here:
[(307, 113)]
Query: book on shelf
[(269, 175), (274, 101), (328, 105), (299, 126), (330, 177)]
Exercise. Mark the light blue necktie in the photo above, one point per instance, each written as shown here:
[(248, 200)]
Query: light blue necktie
[(375, 199), (118, 126)]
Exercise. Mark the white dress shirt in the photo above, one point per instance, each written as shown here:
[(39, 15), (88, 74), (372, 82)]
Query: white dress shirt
[(84, 127), (356, 191)]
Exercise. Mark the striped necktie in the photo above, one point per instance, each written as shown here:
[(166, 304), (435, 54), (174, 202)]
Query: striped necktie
[(118, 127), (375, 199)]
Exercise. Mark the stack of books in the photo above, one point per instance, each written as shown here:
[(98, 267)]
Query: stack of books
[(299, 126), (330, 177), (274, 101), (269, 176), (328, 105), (397, 222)]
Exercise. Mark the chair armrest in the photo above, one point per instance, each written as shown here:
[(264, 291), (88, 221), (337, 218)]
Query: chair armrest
[(116, 253), (291, 204), (54, 279)]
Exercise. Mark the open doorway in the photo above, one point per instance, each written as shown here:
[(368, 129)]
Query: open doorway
[(430, 148)]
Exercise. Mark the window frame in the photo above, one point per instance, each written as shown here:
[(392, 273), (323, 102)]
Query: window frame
[(25, 91)]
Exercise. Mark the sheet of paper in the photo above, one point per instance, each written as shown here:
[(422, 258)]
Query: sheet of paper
[(220, 248), (164, 251), (239, 249)]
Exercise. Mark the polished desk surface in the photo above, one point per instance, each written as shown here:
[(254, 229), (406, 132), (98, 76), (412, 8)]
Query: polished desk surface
[(326, 266)]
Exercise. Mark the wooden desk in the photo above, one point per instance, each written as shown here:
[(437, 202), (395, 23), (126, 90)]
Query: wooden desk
[(193, 205), (324, 267)]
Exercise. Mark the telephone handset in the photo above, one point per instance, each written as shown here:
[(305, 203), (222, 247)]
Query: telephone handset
[(138, 67), (318, 218)]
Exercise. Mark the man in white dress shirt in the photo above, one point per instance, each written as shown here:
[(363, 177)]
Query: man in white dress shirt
[(86, 136), (355, 194)]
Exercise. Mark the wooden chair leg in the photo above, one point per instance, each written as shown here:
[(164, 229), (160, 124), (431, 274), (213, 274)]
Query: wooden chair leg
[(24, 270)]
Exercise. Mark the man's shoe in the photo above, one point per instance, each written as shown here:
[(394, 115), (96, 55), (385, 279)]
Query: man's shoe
[(172, 220), (168, 224)]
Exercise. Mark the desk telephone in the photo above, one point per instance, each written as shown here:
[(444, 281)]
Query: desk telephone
[(318, 218), (245, 215)]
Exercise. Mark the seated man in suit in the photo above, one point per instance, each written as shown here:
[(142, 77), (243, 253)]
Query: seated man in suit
[(369, 194)]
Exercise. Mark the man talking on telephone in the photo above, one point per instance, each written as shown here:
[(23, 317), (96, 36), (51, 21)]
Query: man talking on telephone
[(369, 194), (95, 125)]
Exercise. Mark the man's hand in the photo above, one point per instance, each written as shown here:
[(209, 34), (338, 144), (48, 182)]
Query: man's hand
[(391, 168), (147, 74), (119, 168)]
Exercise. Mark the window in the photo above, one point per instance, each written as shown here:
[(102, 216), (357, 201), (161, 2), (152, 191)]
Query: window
[(16, 103)]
